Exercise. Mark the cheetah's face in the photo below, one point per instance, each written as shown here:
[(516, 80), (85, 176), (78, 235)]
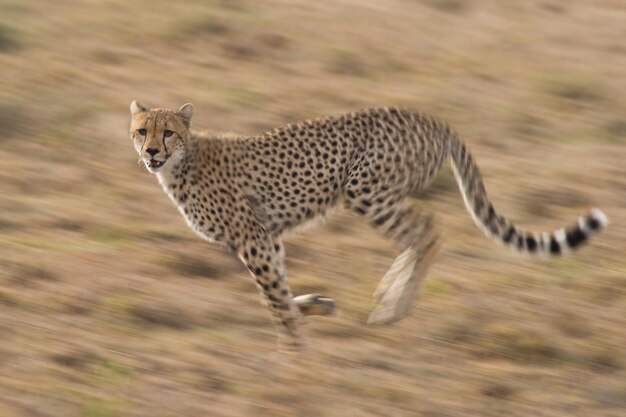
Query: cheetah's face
[(159, 134)]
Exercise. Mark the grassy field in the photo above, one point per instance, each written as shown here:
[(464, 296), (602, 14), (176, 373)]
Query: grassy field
[(110, 306)]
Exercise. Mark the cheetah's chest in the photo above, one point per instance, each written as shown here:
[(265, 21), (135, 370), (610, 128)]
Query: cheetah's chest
[(202, 220), (201, 213)]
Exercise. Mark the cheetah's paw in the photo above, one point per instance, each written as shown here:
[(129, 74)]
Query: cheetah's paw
[(316, 305)]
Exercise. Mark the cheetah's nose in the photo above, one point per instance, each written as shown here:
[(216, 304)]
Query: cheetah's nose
[(152, 151)]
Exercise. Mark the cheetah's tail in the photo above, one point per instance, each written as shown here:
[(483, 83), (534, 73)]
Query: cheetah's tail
[(498, 227)]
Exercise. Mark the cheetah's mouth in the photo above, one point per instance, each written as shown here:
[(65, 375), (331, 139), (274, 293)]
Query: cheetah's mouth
[(153, 164)]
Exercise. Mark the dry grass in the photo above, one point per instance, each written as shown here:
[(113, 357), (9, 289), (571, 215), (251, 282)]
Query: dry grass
[(110, 306)]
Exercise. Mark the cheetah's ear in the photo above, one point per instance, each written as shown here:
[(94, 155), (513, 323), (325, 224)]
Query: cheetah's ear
[(186, 111), (136, 108)]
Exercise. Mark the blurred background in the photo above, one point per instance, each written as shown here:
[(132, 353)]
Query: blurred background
[(110, 306)]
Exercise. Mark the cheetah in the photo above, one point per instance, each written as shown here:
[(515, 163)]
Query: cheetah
[(244, 192)]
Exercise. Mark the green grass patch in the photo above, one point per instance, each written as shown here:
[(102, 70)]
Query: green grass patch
[(609, 396), (507, 341), (14, 118), (617, 127), (115, 371), (9, 39), (107, 57), (8, 299), (79, 360), (574, 88), (448, 6), (120, 302), (108, 236), (108, 373), (604, 361), (498, 390), (344, 62), (193, 266), (614, 131), (528, 125), (206, 24), (245, 98), (162, 315), (436, 288), (99, 409), (27, 275), (113, 407), (343, 330), (217, 335), (211, 380)]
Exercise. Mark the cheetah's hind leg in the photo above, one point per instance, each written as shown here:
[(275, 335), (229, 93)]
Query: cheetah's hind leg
[(416, 233), (395, 294), (401, 266), (316, 305)]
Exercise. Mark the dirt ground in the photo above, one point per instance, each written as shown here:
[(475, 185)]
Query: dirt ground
[(110, 306)]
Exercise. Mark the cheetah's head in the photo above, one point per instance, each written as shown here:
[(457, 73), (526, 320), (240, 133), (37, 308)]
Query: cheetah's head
[(159, 135)]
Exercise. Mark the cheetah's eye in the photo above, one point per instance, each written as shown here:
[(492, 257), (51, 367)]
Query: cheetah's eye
[(167, 133), (142, 132)]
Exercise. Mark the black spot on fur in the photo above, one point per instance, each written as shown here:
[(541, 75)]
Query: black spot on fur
[(493, 227), (531, 244), (575, 237), (382, 219), (490, 214), (593, 223), (478, 206), (555, 248), (508, 236)]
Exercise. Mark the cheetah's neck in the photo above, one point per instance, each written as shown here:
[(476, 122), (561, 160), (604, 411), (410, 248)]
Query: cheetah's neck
[(172, 175), (174, 179)]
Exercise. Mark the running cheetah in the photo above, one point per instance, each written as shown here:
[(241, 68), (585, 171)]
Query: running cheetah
[(244, 192)]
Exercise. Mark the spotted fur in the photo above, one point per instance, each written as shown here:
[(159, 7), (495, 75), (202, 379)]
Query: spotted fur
[(245, 192)]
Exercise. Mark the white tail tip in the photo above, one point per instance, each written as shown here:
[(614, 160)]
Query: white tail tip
[(598, 215)]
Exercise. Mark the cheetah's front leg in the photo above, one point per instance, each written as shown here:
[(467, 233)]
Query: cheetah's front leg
[(263, 254)]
